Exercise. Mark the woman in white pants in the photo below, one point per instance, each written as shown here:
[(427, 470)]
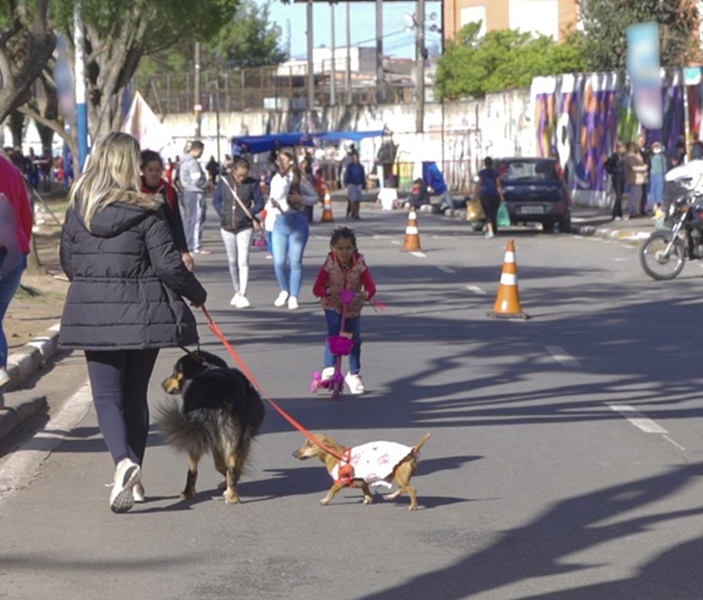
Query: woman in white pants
[(238, 199)]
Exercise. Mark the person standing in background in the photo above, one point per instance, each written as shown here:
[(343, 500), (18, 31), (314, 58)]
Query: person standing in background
[(636, 173), (238, 199), (355, 180), (646, 153), (15, 234), (193, 181), (152, 166), (658, 167), (615, 167)]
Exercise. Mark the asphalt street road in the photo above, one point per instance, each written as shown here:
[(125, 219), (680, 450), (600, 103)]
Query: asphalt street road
[(565, 460)]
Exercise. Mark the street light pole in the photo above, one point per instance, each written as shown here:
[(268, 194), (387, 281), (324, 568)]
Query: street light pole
[(380, 89), (347, 81), (197, 107), (333, 71), (420, 69), (311, 66)]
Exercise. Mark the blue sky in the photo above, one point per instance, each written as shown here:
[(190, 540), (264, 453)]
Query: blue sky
[(396, 42)]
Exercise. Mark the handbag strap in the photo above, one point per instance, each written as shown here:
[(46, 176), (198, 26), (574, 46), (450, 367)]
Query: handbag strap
[(247, 212)]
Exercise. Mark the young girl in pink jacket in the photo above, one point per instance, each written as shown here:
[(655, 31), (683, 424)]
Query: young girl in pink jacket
[(344, 268)]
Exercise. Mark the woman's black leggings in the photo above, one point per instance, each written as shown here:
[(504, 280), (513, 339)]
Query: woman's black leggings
[(119, 380), (491, 204)]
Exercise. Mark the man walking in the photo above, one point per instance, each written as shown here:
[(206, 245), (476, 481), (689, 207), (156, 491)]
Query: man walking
[(193, 180)]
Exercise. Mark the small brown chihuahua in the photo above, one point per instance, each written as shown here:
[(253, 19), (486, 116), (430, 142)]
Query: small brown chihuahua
[(377, 463)]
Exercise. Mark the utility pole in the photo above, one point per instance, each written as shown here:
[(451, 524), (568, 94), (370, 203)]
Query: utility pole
[(197, 106), (347, 78), (380, 79), (333, 71), (311, 66), (421, 53), (81, 105)]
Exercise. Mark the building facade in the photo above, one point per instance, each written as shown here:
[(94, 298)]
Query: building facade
[(546, 17)]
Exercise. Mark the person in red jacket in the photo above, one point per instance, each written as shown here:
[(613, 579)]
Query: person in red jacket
[(16, 222), (152, 166), (344, 268)]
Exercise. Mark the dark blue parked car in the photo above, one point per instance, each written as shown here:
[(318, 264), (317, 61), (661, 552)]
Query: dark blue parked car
[(535, 191)]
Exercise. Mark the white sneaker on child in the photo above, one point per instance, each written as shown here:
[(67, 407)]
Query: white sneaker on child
[(243, 302), (292, 303), (353, 381), (235, 300), (326, 374), (281, 300)]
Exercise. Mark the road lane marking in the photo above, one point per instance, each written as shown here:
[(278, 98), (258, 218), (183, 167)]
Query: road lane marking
[(637, 419), (419, 254), (563, 357), (24, 464), (445, 269), (476, 290)]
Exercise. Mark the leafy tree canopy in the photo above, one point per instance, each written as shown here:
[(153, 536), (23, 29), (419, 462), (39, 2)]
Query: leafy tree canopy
[(247, 40), (503, 59), (605, 22)]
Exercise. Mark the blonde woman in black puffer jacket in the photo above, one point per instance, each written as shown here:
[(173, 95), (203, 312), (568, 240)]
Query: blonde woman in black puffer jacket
[(125, 300)]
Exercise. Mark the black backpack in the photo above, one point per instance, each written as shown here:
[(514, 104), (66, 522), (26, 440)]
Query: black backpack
[(611, 165)]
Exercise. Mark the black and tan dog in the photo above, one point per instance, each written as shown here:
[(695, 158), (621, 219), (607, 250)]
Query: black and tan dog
[(375, 463), (221, 414)]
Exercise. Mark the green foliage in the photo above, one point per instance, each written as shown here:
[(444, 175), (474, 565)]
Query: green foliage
[(245, 41), (605, 22), (503, 59), (168, 22)]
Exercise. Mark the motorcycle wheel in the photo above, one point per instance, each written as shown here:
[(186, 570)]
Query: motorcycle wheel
[(659, 264)]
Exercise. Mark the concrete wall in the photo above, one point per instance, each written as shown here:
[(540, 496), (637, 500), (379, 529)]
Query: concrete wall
[(500, 125)]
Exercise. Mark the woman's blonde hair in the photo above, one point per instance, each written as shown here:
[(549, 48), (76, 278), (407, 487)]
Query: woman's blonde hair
[(113, 169)]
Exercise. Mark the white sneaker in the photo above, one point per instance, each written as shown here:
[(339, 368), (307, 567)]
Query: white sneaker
[(139, 493), (292, 303), (243, 302), (281, 300), (356, 386), (127, 475), (4, 377), (326, 374), (236, 299)]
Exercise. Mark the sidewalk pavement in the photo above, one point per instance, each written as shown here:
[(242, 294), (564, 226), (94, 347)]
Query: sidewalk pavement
[(17, 408)]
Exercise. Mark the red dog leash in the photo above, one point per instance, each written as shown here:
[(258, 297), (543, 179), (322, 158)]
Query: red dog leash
[(346, 471)]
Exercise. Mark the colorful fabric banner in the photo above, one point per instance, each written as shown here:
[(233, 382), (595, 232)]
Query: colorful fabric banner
[(644, 69)]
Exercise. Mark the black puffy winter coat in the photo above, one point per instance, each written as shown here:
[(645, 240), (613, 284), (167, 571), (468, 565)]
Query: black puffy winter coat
[(127, 279)]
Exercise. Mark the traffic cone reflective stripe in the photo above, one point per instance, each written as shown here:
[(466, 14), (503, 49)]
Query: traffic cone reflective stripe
[(327, 216), (508, 301), (412, 233)]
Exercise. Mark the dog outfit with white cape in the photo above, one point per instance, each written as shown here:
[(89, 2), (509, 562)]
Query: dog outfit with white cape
[(375, 462)]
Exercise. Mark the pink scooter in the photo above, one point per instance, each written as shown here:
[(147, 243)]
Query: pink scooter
[(340, 345)]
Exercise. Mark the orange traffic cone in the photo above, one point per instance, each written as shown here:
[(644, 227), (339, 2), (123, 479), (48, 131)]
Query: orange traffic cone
[(412, 233), (507, 304), (327, 216)]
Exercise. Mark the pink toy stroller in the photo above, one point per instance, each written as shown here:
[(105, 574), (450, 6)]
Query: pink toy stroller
[(340, 345)]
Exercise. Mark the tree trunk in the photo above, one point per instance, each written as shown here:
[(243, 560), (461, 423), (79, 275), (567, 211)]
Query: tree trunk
[(16, 123)]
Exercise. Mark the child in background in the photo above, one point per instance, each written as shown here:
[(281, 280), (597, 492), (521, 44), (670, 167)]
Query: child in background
[(344, 268)]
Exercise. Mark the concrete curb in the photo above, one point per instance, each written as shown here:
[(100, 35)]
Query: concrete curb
[(610, 234), (20, 366)]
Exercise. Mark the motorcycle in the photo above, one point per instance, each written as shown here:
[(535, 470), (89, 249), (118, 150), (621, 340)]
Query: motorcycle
[(664, 253)]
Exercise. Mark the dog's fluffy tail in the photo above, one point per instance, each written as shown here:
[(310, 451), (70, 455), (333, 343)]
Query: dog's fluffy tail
[(190, 436), (421, 443)]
